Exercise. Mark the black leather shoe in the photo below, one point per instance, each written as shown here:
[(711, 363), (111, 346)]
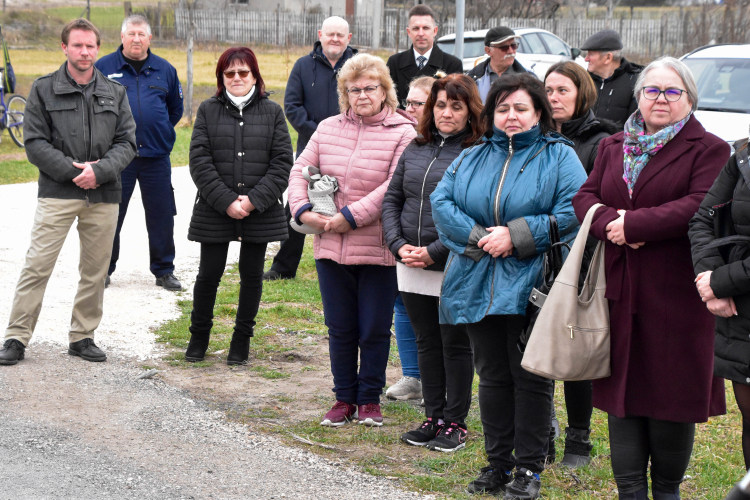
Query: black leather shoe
[(169, 282), (87, 350), (12, 352)]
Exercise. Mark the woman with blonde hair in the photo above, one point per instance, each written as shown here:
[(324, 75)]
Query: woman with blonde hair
[(360, 148)]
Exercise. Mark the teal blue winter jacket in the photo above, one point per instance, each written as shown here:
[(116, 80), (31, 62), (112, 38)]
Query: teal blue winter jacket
[(515, 182)]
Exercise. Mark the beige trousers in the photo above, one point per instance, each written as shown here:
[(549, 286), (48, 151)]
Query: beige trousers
[(52, 222)]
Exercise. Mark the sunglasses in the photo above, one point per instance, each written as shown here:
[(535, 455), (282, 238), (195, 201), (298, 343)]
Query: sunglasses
[(505, 48), (242, 72)]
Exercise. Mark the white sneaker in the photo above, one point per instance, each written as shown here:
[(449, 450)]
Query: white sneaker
[(406, 388)]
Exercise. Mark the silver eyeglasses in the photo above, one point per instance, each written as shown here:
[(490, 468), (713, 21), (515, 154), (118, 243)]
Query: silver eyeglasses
[(413, 104), (367, 90)]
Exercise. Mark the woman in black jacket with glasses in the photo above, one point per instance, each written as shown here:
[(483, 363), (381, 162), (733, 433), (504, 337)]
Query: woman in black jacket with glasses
[(449, 124)]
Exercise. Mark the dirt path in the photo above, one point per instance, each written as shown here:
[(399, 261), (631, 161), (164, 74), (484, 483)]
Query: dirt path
[(73, 429)]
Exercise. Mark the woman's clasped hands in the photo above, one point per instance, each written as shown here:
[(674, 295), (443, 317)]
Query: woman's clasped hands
[(324, 223), (720, 307), (497, 243), (412, 256), (240, 208), (616, 232)]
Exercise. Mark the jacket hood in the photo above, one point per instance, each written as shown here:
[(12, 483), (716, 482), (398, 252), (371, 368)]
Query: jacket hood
[(587, 126), (387, 117)]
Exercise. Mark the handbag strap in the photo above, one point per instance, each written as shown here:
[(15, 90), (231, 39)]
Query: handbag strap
[(570, 272)]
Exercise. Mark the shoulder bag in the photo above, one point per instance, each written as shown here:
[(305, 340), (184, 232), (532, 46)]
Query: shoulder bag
[(570, 339)]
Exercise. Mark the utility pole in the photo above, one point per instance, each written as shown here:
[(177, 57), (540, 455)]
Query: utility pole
[(88, 9), (377, 19), (191, 35), (460, 14)]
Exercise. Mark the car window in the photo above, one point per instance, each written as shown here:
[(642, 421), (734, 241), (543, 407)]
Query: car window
[(473, 47), (535, 44), (723, 84), (556, 46)]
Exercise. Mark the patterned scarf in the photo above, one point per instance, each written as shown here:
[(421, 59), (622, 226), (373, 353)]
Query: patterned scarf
[(639, 147)]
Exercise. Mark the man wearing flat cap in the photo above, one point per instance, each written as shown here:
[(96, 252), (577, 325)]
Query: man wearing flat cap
[(613, 75), (500, 44)]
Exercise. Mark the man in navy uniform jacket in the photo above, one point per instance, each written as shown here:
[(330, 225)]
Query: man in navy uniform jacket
[(155, 97)]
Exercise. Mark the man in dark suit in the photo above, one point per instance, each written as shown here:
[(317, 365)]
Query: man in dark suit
[(423, 57)]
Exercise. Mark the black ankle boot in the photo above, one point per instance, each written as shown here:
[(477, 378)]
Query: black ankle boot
[(239, 349), (196, 349), (666, 495), (638, 495), (577, 447)]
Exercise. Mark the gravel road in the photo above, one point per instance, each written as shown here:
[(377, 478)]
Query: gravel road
[(79, 430)]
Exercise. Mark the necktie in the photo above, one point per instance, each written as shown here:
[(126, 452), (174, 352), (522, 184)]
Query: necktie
[(420, 61)]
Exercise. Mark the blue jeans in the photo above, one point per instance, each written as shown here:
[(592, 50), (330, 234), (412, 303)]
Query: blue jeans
[(154, 176), (405, 340), (358, 306)]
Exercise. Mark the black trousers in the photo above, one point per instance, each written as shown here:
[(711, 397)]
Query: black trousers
[(578, 403), (635, 440), (514, 404), (287, 259), (211, 268), (446, 367)]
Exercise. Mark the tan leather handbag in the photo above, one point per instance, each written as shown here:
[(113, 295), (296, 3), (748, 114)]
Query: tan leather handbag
[(570, 340)]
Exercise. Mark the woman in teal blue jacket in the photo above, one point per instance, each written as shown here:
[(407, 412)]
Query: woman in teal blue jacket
[(492, 211)]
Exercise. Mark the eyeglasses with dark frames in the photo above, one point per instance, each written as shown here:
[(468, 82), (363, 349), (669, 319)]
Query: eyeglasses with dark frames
[(354, 91), (242, 72), (414, 104), (671, 95)]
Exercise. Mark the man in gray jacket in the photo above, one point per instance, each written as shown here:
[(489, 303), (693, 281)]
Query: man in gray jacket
[(80, 134)]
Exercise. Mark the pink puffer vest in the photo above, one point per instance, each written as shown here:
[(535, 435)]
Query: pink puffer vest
[(362, 153)]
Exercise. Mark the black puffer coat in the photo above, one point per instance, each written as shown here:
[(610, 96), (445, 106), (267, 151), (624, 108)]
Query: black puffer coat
[(586, 133), (616, 101), (231, 155), (730, 278), (407, 211)]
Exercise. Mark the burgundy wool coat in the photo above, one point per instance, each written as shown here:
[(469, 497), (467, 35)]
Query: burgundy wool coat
[(662, 335)]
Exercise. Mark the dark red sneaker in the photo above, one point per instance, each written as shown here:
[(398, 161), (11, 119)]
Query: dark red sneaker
[(339, 414), (370, 415)]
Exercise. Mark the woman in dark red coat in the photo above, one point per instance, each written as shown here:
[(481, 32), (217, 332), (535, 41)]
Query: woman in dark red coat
[(651, 179)]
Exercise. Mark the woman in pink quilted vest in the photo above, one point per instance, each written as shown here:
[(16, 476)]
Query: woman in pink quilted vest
[(360, 148)]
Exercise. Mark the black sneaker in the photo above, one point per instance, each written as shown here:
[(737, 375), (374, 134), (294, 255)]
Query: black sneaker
[(424, 434), (452, 438), (491, 480), (169, 282), (87, 350), (525, 485), (107, 281), (12, 352)]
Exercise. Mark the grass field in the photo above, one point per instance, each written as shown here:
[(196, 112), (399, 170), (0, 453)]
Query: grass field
[(295, 305)]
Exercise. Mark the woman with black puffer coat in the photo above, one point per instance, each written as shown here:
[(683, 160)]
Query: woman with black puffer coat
[(572, 94), (240, 158), (449, 124), (724, 275)]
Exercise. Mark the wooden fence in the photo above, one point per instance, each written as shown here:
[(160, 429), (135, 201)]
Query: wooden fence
[(673, 34)]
